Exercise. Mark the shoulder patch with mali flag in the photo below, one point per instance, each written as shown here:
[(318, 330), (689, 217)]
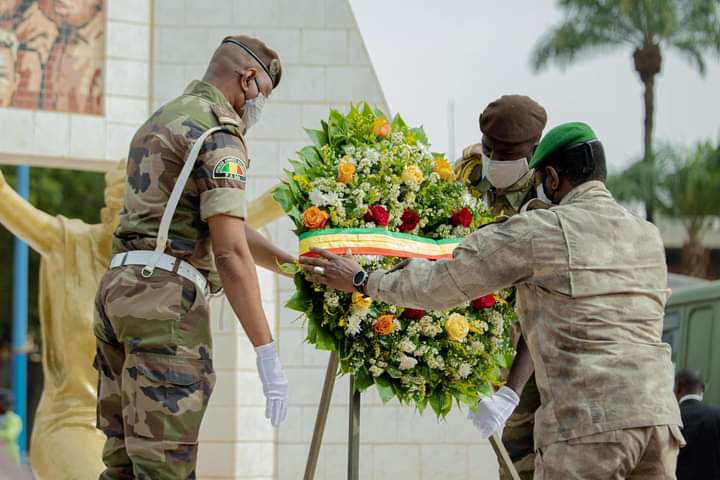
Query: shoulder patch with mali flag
[(231, 168)]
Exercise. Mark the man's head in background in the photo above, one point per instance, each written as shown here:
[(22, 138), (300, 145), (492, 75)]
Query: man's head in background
[(688, 382), (9, 77), (6, 400)]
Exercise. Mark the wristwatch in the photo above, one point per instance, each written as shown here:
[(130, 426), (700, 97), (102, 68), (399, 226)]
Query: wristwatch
[(360, 280)]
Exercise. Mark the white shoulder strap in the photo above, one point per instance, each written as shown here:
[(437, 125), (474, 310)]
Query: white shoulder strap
[(177, 191)]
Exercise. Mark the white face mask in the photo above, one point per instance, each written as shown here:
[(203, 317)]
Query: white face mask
[(503, 173), (540, 190), (252, 111)]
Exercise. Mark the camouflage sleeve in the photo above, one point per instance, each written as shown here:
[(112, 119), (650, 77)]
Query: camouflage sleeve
[(221, 174), (494, 257), (469, 167)]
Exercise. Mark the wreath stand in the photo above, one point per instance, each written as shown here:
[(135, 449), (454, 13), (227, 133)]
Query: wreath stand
[(354, 430)]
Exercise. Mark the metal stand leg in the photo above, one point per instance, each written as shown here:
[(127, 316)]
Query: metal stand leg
[(354, 433), (321, 418), (503, 457)]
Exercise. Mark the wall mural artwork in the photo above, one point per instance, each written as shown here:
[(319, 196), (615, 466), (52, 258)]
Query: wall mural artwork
[(52, 54)]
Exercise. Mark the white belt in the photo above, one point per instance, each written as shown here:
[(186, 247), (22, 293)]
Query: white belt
[(165, 262)]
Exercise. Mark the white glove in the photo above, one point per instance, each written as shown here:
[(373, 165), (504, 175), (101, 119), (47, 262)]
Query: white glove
[(493, 412), (275, 383)]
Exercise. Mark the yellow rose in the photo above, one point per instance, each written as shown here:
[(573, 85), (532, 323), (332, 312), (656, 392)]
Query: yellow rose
[(315, 218), (360, 302), (443, 168), (457, 327), (385, 325), (412, 174), (346, 172)]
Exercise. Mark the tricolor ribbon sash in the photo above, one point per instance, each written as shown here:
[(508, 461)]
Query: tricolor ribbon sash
[(376, 241)]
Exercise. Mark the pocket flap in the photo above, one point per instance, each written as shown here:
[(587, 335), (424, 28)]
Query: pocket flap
[(169, 369)]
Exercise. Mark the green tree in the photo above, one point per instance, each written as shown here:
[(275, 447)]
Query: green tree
[(648, 27), (686, 187), (71, 193)]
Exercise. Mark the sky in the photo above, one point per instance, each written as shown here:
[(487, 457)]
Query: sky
[(427, 53)]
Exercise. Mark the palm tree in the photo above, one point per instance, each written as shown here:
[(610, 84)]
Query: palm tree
[(687, 190), (648, 27)]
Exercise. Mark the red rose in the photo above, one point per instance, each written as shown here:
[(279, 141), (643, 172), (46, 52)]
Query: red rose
[(409, 220), (377, 214), (462, 217), (488, 301), (413, 314)]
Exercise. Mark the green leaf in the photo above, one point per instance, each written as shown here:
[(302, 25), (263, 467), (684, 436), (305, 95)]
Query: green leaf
[(420, 135), (421, 404), (384, 387), (398, 123), (299, 302), (325, 340), (486, 389), (393, 372), (466, 399), (289, 268), (436, 402), (313, 325), (311, 156), (283, 197), (379, 113), (318, 137), (362, 379)]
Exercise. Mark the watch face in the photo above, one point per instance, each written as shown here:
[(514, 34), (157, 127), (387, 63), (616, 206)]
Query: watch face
[(359, 278)]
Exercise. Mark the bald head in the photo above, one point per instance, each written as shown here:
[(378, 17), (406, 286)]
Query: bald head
[(688, 382)]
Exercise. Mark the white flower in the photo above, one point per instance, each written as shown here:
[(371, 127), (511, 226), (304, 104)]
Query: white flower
[(464, 371), (372, 155), (477, 346), (354, 324), (331, 298), (376, 371), (407, 346), (406, 363), (317, 198), (435, 362)]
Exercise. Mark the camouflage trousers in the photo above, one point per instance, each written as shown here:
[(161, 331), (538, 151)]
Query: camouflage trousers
[(648, 453), (518, 432), (154, 358)]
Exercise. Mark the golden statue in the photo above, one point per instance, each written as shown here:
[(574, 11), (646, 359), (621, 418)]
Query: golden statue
[(65, 443)]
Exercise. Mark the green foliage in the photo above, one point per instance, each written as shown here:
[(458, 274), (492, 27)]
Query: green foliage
[(691, 27), (71, 193)]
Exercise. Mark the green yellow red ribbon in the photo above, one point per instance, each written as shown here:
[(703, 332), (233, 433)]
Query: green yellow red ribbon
[(377, 241)]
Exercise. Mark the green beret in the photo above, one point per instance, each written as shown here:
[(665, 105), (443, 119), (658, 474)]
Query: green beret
[(560, 138)]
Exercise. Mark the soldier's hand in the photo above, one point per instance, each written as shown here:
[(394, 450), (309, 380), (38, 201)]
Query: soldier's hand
[(275, 383), (493, 412)]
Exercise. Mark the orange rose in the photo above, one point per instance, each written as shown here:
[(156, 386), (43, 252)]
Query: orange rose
[(315, 218), (385, 325), (346, 172), (443, 168), (381, 127)]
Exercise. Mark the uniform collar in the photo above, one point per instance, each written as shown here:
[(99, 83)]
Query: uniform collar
[(582, 189), (699, 398), (208, 91)]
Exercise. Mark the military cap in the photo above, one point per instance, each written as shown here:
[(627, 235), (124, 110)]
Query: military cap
[(562, 137), (513, 119), (268, 58)]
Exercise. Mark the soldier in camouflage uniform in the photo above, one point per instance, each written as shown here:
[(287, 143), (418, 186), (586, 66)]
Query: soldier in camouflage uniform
[(591, 285), (497, 168), (178, 239)]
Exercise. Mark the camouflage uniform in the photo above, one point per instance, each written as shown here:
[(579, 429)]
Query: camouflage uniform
[(591, 290), (154, 348), (518, 432)]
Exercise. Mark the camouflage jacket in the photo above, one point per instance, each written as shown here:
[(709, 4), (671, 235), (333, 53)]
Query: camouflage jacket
[(216, 185), (505, 201), (591, 290)]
